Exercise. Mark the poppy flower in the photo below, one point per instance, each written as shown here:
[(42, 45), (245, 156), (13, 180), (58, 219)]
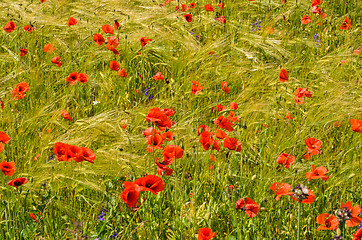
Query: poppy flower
[(196, 87), (203, 128), (328, 222), (349, 214), (82, 77), (316, 9), (130, 194), (2, 106), (168, 136), (218, 107), (224, 87), (23, 52), (107, 29), (357, 235), (168, 111), (114, 65), (20, 90), (1, 147), (48, 48), (192, 5), (337, 124), (233, 118), (42, 1), (157, 116), (209, 8), (356, 125), (172, 152), (221, 5), (233, 106), (289, 117), (9, 27), (4, 138), (72, 78), (206, 140), (116, 24), (144, 41), (113, 43), (74, 153), (154, 141), (166, 2), (61, 151), (17, 182), (302, 194), (151, 183), (56, 61), (250, 207), (72, 21), (184, 8), (221, 19), (317, 2), (224, 123), (300, 93), (8, 168), (319, 172), (33, 217), (313, 146), (158, 76), (232, 144), (36, 157), (346, 24), (286, 160), (66, 115), (220, 134), (98, 39), (357, 50), (188, 17), (205, 234), (122, 73), (306, 19), (87, 155), (29, 28), (281, 189), (283, 75), (162, 169)]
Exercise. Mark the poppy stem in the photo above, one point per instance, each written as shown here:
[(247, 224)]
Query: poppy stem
[(299, 213), (343, 229)]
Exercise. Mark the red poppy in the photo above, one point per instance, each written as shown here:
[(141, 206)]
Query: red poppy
[(317, 2), (33, 217), (233, 118), (107, 29), (9, 27), (309, 199), (313, 146), (158, 76), (281, 189), (168, 111), (184, 8), (167, 1), (232, 144), (328, 222), (283, 75), (72, 78), (316, 9), (72, 21), (82, 77), (233, 106), (224, 87), (88, 155), (114, 65), (218, 107), (130, 194), (75, 153), (116, 24), (196, 87), (162, 169), (168, 136), (122, 73), (159, 117), (61, 151), (346, 24), (48, 48), (154, 141), (289, 117), (300, 93), (29, 28), (4, 138), (1, 147), (221, 5), (337, 124), (206, 234), (36, 157), (206, 140), (98, 39), (319, 172), (56, 61), (2, 106), (188, 17), (220, 134), (357, 50), (224, 123), (144, 41), (17, 182), (20, 90), (8, 168), (66, 115), (192, 5), (356, 125), (221, 19), (42, 1), (123, 126), (23, 52), (209, 8), (151, 183), (286, 160), (306, 19), (357, 235), (172, 152), (353, 212), (250, 207), (113, 43)]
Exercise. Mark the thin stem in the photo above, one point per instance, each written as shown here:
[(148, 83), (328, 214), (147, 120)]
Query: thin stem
[(343, 229), (299, 213)]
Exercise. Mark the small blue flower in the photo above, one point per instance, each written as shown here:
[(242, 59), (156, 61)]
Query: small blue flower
[(114, 235), (150, 98)]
